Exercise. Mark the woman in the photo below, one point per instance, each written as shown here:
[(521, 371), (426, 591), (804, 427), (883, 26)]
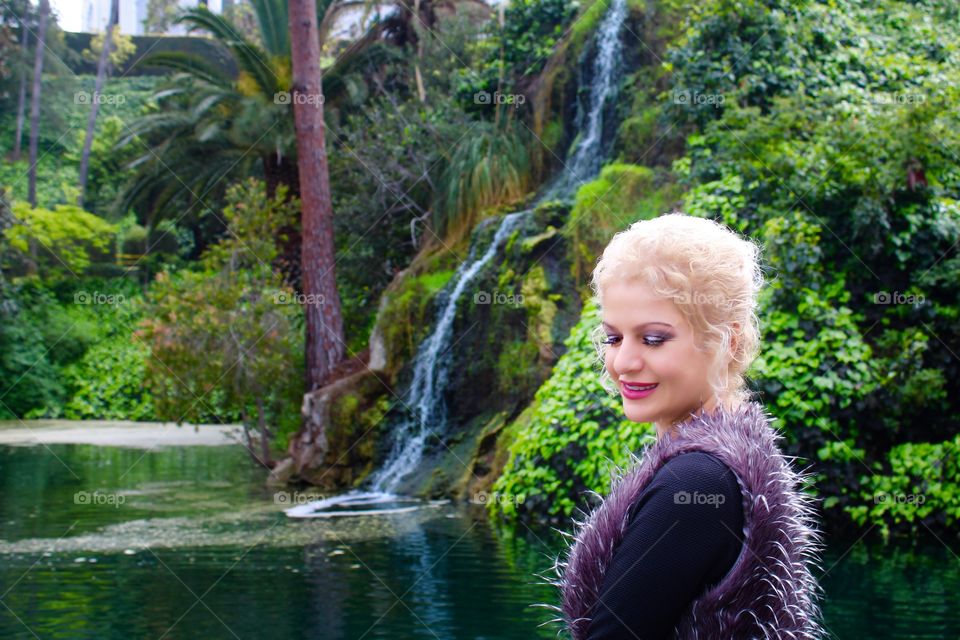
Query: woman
[(709, 535)]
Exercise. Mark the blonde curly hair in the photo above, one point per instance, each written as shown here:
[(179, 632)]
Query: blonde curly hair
[(710, 272)]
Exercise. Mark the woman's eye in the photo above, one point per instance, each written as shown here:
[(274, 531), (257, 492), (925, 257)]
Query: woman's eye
[(650, 341)]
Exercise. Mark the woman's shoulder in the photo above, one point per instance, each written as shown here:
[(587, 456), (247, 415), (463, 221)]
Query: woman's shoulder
[(695, 467), (693, 478)]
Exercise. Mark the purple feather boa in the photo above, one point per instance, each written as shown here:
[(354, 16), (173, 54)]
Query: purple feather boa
[(770, 591)]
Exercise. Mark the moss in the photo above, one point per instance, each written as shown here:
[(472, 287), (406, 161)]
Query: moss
[(405, 320), (515, 373), (586, 23), (552, 134), (508, 245), (639, 131), (621, 195), (506, 279), (541, 310), (529, 244)]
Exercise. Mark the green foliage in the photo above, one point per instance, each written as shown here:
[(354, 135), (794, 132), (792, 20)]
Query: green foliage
[(121, 48), (512, 54), (78, 334), (718, 200), (61, 241), (814, 362), (918, 486), (107, 382), (570, 438), (531, 29), (490, 168), (227, 340), (620, 195), (733, 52), (29, 378)]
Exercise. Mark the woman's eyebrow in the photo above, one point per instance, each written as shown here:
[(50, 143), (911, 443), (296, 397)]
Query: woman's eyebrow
[(639, 326)]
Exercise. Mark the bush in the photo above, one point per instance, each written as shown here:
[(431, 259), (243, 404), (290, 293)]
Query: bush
[(62, 242), (919, 485), (226, 341)]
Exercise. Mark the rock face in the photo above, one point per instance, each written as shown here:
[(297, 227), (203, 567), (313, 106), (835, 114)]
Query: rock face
[(508, 333)]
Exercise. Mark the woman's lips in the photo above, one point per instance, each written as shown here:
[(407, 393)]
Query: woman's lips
[(635, 395)]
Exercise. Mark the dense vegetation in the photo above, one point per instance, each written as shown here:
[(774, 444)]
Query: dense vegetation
[(828, 130)]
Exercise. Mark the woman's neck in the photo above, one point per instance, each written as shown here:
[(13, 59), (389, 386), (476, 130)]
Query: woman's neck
[(663, 429)]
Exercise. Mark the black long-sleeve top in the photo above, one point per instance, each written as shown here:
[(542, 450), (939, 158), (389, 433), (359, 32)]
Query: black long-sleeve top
[(684, 534)]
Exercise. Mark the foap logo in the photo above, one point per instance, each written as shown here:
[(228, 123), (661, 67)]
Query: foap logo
[(84, 97), (685, 97), (98, 499), (897, 297), (96, 297), (286, 498), (483, 497), (685, 497), (497, 297), (898, 98), (286, 97), (485, 97), (284, 297)]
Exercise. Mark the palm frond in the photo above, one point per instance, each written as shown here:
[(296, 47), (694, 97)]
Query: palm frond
[(249, 57), (272, 18), (188, 63)]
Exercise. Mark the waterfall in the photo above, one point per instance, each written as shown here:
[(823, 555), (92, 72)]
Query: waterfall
[(430, 366), (585, 155), (424, 398)]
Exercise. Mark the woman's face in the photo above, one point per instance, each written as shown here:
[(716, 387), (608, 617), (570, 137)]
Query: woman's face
[(650, 343)]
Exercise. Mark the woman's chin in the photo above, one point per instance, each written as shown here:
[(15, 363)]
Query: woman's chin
[(635, 413)]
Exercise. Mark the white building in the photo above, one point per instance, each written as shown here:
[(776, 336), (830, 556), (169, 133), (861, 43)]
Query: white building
[(96, 13)]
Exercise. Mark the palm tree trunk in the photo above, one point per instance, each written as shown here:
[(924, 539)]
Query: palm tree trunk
[(323, 317), (22, 95), (35, 101), (102, 67)]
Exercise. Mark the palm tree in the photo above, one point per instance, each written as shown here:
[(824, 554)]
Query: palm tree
[(324, 322), (211, 128), (35, 101), (102, 70)]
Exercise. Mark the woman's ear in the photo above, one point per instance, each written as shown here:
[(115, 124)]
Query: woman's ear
[(735, 338)]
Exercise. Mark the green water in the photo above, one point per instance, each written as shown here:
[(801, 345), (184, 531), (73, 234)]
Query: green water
[(188, 543)]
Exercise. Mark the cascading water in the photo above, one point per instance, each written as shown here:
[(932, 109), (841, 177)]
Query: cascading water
[(425, 395), (430, 372), (586, 154), (424, 398)]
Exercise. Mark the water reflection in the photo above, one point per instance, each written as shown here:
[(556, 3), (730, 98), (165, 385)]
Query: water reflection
[(199, 549)]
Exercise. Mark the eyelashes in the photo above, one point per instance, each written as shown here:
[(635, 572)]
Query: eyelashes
[(650, 341)]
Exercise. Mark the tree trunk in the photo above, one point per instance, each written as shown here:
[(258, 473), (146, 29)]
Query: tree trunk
[(325, 344), (102, 67), (35, 100), (264, 435), (421, 91), (22, 95)]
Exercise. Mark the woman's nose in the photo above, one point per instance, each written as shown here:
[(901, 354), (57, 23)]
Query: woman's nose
[(629, 358)]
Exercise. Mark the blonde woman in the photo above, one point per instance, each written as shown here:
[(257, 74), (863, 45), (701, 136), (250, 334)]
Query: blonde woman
[(709, 535)]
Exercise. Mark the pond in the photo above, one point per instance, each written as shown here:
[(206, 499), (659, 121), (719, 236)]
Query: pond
[(187, 542)]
